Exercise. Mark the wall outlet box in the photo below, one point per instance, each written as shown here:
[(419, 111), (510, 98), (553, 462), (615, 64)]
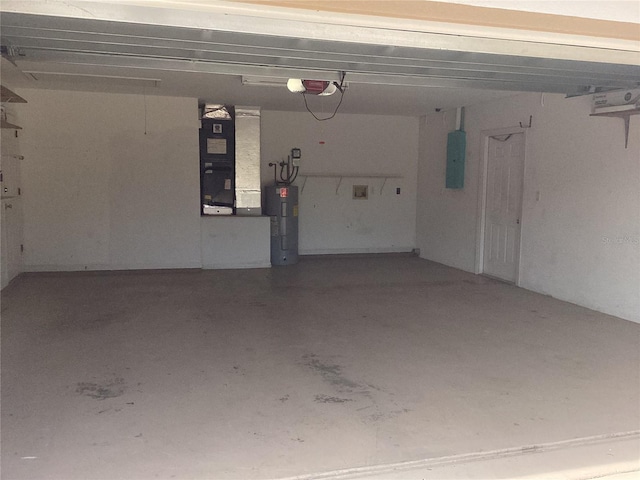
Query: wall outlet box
[(360, 192)]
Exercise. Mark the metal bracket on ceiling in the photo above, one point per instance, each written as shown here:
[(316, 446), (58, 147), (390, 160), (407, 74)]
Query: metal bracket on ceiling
[(9, 52), (341, 86), (591, 89)]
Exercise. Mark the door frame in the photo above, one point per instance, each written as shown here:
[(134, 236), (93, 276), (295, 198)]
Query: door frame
[(482, 194)]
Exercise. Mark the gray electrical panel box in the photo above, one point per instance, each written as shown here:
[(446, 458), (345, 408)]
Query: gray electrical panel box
[(456, 147), (282, 207)]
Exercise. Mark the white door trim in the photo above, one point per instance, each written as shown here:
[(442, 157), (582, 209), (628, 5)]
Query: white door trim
[(482, 193)]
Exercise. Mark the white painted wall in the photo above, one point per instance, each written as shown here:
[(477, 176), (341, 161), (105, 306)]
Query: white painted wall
[(445, 229), (110, 181), (581, 240), (235, 242), (333, 222)]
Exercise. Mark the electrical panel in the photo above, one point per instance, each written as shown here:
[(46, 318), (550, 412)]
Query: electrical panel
[(456, 148)]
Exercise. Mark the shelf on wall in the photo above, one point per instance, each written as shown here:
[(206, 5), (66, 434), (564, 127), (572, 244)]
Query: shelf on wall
[(5, 124), (340, 176), (624, 112), (7, 96)]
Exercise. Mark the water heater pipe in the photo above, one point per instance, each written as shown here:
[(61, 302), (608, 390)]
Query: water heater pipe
[(460, 118)]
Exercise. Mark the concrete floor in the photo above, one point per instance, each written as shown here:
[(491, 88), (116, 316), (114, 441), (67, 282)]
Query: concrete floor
[(391, 363)]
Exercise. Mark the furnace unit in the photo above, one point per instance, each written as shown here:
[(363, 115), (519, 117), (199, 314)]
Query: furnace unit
[(217, 160)]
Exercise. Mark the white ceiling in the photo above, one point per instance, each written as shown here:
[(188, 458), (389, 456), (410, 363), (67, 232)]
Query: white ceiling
[(392, 67), (614, 10)]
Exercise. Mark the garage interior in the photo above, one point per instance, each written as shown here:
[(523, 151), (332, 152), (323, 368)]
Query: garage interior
[(142, 339)]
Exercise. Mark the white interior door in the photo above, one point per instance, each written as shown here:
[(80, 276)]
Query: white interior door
[(503, 211), (10, 251)]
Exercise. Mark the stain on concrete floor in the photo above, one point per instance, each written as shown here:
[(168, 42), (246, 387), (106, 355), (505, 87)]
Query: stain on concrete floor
[(331, 373), (109, 389), (329, 399)]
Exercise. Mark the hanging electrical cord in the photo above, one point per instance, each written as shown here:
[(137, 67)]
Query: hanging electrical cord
[(286, 177), (340, 88), (295, 174), (291, 173)]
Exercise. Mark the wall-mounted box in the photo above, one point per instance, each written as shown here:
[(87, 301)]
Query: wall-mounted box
[(360, 192), (456, 148)]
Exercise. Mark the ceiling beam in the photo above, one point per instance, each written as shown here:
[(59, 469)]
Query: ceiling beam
[(128, 36), (60, 61), (216, 15)]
